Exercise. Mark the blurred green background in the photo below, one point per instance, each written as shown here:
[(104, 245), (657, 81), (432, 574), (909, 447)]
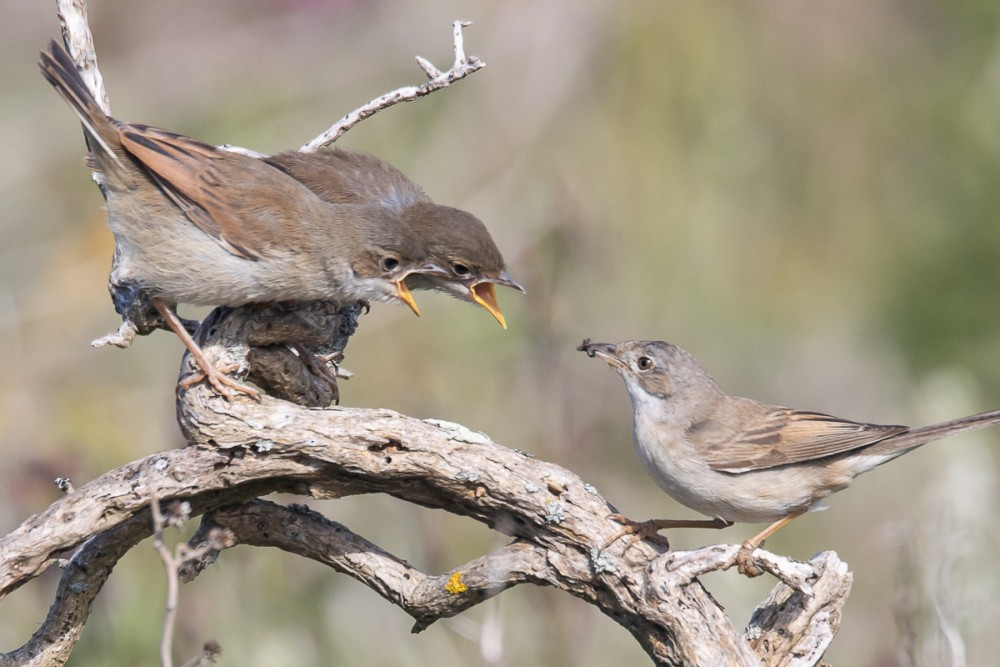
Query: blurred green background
[(804, 195)]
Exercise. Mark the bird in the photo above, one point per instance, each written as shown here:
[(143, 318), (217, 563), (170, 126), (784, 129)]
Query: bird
[(454, 239), (740, 460), (200, 225)]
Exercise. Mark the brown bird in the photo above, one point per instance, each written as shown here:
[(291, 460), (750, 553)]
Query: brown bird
[(200, 225), (739, 460), (455, 240)]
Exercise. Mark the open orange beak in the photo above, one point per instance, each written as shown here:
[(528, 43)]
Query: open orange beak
[(484, 294), (403, 292)]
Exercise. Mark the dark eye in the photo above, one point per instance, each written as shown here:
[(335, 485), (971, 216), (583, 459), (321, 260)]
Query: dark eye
[(390, 263), (460, 269), (644, 363)]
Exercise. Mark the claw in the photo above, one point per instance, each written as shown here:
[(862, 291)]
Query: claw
[(649, 530), (221, 382), (745, 563)]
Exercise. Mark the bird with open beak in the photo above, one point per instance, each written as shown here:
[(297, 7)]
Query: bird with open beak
[(200, 225), (455, 240)]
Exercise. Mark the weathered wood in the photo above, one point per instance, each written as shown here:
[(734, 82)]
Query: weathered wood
[(242, 449)]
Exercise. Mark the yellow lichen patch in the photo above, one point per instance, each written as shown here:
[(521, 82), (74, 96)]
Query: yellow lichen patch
[(455, 585)]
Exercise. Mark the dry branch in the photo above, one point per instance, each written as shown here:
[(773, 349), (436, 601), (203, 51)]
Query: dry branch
[(436, 80), (244, 449)]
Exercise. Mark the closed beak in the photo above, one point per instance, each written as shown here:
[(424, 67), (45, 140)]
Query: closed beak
[(607, 352)]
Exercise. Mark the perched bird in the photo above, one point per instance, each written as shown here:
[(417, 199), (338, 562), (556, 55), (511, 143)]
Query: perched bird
[(739, 460), (200, 225), (455, 240)]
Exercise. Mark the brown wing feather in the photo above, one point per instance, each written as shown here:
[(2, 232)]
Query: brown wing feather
[(782, 436), (191, 173)]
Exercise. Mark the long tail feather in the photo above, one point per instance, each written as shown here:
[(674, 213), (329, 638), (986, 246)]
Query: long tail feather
[(906, 441), (59, 69)]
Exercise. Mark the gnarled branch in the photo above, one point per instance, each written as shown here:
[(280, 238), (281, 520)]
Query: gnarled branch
[(244, 449)]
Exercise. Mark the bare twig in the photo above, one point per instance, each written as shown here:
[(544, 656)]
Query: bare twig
[(436, 80), (209, 653), (173, 563), (79, 42), (170, 566)]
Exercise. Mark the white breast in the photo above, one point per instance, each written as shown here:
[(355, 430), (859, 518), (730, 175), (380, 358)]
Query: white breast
[(751, 497)]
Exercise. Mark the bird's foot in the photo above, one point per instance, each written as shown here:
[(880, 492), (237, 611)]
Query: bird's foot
[(649, 530), (317, 364), (220, 381), (745, 562), (216, 376), (639, 530), (327, 358)]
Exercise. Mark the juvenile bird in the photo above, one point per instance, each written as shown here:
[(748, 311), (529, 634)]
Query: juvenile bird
[(455, 240), (739, 460), (200, 225)]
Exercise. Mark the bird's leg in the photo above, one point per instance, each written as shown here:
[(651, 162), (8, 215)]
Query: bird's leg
[(217, 377), (327, 358), (339, 372), (649, 530), (316, 364), (744, 557)]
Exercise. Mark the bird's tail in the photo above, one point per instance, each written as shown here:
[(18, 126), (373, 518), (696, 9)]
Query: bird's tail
[(900, 444), (102, 131)]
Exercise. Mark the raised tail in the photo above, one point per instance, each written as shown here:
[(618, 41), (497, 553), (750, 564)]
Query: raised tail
[(59, 69), (902, 443)]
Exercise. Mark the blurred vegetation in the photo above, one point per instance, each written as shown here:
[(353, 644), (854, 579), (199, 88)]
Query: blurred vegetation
[(803, 195)]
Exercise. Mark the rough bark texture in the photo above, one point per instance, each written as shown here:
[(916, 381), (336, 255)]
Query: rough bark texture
[(290, 442), (243, 449)]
